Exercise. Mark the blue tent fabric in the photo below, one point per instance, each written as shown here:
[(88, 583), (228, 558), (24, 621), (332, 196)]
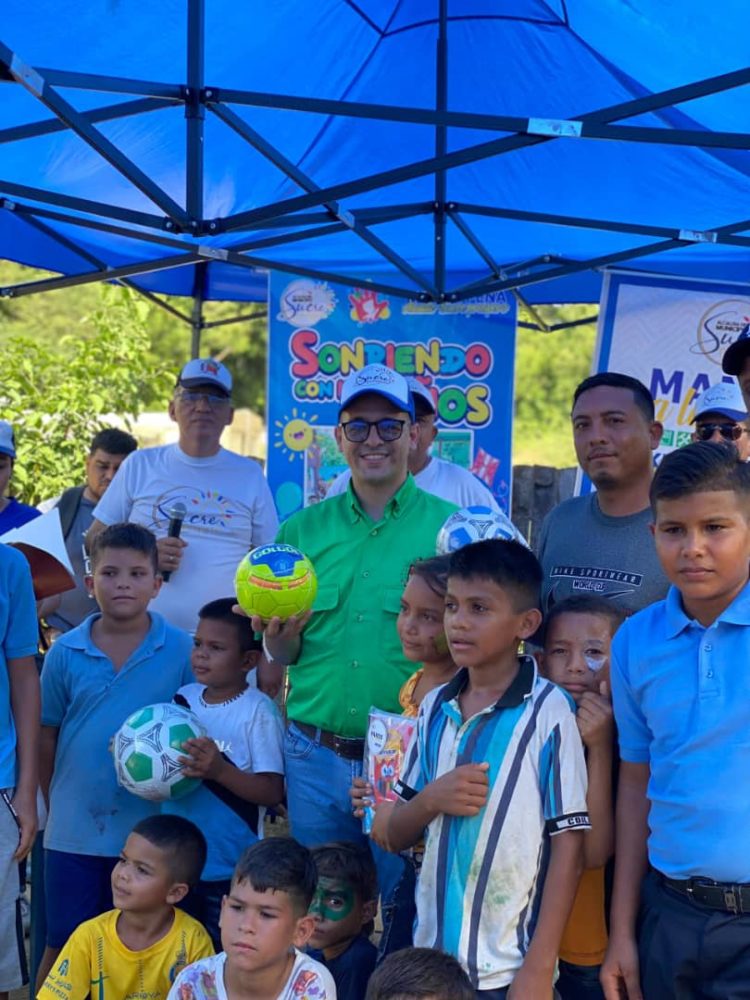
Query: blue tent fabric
[(567, 201)]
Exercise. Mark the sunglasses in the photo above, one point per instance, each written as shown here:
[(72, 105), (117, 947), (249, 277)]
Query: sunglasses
[(214, 400), (730, 432), (357, 431)]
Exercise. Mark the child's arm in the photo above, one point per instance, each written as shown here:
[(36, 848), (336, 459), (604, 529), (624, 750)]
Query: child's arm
[(596, 726), (204, 760), (534, 979), (47, 750), (460, 792), (25, 705), (620, 965)]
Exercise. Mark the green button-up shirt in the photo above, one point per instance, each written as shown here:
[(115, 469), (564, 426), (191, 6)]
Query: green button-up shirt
[(351, 656)]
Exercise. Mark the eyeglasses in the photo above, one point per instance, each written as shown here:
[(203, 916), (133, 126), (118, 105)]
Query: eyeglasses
[(730, 432), (214, 400), (358, 430)]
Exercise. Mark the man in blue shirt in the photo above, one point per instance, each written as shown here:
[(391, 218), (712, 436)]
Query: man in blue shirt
[(681, 687)]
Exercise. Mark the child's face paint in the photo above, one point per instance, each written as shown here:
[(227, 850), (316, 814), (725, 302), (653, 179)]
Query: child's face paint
[(339, 916), (576, 652)]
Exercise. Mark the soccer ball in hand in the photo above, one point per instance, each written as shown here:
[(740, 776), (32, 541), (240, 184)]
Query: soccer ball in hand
[(275, 581), (147, 748), (475, 524)]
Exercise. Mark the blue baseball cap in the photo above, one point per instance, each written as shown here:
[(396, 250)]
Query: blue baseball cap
[(7, 439)]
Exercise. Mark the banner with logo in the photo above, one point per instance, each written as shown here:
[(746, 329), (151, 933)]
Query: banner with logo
[(670, 333), (319, 332)]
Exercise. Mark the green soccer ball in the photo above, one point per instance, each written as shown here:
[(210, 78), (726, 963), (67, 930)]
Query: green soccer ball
[(275, 581), (147, 748)]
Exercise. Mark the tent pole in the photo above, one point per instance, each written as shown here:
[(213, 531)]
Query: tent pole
[(196, 322), (195, 112), (441, 147)]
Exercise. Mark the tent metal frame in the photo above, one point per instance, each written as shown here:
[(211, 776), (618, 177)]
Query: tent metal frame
[(184, 232)]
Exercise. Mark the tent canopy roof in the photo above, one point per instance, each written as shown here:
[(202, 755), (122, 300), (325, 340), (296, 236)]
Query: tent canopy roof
[(438, 148)]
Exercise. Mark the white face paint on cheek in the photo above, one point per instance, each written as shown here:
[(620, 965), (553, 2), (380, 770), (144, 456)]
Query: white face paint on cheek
[(596, 663)]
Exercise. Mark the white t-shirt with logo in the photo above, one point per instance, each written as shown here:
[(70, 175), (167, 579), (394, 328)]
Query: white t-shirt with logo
[(204, 980), (229, 511), (441, 478)]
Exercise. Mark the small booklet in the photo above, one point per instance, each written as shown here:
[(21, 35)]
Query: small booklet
[(388, 736)]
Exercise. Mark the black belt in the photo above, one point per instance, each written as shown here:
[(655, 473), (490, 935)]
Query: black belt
[(350, 748), (727, 896)]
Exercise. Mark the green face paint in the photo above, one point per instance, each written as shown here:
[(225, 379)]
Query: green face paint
[(332, 900)]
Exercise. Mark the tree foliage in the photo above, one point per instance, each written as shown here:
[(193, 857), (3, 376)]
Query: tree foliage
[(58, 395)]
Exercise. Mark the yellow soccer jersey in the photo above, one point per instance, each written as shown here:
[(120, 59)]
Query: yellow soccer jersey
[(95, 962)]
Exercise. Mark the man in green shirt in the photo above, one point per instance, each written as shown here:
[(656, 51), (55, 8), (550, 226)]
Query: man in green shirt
[(349, 657)]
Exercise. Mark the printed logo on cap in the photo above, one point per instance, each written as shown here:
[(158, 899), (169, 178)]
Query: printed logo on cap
[(210, 367), (381, 376)]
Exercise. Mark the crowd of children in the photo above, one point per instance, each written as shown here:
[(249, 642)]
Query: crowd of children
[(503, 811)]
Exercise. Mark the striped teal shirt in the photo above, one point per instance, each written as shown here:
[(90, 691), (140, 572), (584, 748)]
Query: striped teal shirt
[(480, 886)]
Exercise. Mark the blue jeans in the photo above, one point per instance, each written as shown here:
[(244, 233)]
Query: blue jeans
[(320, 810), (400, 913), (579, 982)]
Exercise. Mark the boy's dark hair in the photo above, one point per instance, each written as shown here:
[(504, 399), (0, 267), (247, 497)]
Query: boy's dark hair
[(113, 441), (419, 974), (351, 864), (220, 610), (183, 844), (703, 467), (282, 865), (125, 536), (434, 572), (616, 380), (508, 564), (584, 604)]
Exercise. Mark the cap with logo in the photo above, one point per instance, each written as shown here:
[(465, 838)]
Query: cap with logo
[(7, 440), (734, 357), (379, 380), (420, 391), (724, 398), (206, 371)]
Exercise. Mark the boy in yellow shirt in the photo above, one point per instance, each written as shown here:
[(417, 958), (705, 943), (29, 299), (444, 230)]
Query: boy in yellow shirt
[(138, 949)]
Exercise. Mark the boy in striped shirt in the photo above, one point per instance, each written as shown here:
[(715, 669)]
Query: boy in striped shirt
[(495, 775)]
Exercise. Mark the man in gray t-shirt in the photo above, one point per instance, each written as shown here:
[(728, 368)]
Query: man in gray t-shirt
[(601, 543)]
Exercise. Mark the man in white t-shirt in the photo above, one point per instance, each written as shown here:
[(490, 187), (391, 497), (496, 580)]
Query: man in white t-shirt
[(228, 505), (433, 475)]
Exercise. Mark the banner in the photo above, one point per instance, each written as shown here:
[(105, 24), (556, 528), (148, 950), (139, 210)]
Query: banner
[(318, 333), (670, 333)]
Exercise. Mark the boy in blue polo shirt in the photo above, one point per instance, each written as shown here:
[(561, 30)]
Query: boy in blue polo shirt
[(495, 774), (94, 677), (681, 690)]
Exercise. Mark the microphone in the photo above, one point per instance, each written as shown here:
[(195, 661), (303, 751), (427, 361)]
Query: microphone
[(177, 514)]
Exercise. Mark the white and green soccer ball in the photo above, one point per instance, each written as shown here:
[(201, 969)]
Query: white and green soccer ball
[(147, 748)]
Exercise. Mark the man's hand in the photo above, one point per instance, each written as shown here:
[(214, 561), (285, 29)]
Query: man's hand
[(620, 973), (276, 628), (24, 805), (203, 759), (460, 792), (594, 717), (531, 984), (170, 553)]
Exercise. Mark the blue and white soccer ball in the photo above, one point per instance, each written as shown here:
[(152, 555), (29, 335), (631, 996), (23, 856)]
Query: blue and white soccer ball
[(147, 748), (475, 524)]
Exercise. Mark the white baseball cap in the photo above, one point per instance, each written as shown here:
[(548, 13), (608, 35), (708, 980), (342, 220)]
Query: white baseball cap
[(418, 388), (7, 440), (206, 371), (724, 398), (380, 380)]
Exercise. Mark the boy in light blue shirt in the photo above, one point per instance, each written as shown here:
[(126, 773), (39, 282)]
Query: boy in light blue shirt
[(95, 676), (681, 690)]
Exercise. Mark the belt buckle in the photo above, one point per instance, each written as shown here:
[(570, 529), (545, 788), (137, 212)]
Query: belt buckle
[(342, 745), (733, 899)]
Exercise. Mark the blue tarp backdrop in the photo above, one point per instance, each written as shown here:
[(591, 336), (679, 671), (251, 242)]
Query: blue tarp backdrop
[(439, 148)]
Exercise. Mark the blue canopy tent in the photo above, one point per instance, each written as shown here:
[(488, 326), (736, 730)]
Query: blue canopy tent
[(438, 149)]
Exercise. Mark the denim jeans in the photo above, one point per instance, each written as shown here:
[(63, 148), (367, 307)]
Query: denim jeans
[(579, 982), (400, 913), (320, 810)]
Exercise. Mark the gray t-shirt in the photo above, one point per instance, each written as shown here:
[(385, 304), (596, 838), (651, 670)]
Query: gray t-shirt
[(583, 551), (75, 605)]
